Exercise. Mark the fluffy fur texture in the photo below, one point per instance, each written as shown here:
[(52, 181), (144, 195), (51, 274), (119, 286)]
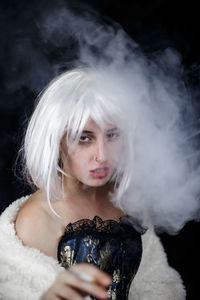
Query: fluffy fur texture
[(26, 273)]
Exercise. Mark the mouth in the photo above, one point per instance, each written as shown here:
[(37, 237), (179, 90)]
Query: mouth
[(99, 172)]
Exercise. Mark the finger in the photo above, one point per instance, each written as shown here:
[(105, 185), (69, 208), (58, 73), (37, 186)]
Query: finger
[(65, 292), (97, 275), (89, 288), (49, 295)]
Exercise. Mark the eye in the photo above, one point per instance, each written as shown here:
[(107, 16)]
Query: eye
[(112, 135), (84, 139)]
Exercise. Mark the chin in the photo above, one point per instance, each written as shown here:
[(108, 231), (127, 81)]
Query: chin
[(97, 183)]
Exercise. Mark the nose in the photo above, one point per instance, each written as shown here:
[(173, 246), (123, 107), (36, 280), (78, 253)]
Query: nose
[(100, 151)]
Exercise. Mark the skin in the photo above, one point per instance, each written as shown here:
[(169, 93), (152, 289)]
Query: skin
[(87, 196), (97, 148)]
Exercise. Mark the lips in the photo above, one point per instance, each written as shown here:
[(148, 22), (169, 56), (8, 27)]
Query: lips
[(99, 172)]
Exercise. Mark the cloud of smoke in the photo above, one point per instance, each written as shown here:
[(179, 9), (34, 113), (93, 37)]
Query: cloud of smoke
[(165, 187)]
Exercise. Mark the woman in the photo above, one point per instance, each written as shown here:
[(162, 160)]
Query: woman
[(71, 238)]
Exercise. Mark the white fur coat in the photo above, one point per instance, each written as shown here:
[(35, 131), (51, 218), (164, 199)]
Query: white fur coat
[(25, 273)]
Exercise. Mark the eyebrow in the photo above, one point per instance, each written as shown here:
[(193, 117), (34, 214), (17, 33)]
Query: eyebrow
[(87, 132), (91, 132), (113, 129)]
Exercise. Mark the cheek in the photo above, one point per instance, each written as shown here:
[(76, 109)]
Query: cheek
[(114, 152), (79, 167), (78, 161)]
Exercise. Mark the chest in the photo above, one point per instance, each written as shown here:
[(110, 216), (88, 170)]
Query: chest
[(54, 230)]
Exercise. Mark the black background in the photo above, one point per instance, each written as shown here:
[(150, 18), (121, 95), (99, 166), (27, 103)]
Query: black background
[(155, 25)]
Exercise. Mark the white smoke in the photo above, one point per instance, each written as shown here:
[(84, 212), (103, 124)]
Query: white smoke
[(166, 174)]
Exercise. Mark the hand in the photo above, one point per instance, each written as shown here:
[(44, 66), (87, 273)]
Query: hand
[(68, 284)]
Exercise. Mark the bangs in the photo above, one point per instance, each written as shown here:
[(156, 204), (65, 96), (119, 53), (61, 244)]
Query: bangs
[(91, 105)]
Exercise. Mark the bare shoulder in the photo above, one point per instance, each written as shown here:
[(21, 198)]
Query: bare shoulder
[(32, 221)]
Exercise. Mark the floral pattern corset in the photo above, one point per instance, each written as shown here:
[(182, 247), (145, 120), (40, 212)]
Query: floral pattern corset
[(114, 247)]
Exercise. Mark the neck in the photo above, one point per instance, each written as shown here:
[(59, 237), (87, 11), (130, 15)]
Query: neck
[(81, 194)]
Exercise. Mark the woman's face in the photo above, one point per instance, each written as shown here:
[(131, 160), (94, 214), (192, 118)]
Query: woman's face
[(94, 159)]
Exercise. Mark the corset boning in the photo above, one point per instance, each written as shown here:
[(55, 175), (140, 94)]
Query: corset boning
[(114, 247)]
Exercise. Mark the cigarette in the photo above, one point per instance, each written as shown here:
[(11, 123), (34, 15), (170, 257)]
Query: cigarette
[(82, 276)]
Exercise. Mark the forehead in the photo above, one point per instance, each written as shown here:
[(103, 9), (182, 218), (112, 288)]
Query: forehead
[(91, 125)]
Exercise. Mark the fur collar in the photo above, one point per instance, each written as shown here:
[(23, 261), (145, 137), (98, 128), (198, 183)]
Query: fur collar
[(25, 273)]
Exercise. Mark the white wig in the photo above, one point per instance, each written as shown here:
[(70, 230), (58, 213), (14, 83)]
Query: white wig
[(64, 107)]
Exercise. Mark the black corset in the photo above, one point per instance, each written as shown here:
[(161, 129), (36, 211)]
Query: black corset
[(114, 247)]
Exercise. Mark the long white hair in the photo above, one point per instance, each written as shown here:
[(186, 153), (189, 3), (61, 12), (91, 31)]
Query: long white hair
[(65, 106)]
